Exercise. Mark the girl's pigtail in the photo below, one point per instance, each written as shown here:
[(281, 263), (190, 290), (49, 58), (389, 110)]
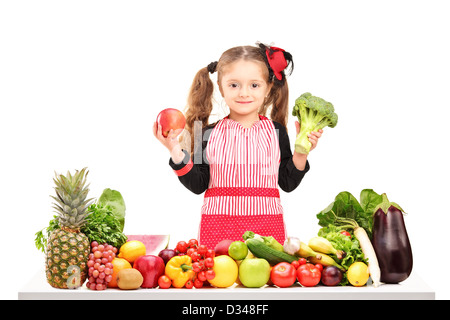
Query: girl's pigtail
[(279, 99), (199, 107)]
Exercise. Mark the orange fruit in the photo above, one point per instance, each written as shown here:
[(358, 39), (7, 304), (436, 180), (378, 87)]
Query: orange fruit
[(118, 264), (132, 250)]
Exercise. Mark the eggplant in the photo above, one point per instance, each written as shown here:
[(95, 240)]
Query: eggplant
[(391, 242)]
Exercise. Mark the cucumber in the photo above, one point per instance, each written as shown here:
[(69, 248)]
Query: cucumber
[(261, 250)]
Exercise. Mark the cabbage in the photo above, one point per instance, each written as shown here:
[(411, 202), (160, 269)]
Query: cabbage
[(114, 200)]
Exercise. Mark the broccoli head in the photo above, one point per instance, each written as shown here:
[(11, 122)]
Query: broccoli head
[(313, 114)]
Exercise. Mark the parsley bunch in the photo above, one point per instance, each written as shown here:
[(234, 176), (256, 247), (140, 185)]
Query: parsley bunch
[(103, 226)]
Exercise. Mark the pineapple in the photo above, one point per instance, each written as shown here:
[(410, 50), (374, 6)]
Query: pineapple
[(67, 246)]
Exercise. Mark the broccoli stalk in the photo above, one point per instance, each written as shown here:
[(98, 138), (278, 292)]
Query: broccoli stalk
[(313, 114)]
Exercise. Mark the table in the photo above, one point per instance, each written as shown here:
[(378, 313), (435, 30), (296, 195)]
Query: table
[(413, 288)]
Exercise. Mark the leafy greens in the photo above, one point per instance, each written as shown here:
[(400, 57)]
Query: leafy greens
[(346, 207), (104, 223)]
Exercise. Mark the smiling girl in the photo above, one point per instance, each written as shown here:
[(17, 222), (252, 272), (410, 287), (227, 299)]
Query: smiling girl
[(241, 159)]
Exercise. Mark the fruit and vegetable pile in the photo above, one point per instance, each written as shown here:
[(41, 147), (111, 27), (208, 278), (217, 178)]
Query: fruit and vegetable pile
[(85, 243)]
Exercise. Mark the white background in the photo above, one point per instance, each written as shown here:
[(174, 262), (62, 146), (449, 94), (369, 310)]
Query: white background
[(81, 83)]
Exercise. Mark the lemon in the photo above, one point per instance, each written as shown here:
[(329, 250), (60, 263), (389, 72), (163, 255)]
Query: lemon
[(132, 250), (226, 271), (358, 274)]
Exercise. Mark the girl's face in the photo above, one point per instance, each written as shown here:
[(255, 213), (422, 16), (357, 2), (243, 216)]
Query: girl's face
[(244, 88)]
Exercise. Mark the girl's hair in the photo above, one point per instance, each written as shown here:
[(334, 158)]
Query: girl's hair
[(200, 99)]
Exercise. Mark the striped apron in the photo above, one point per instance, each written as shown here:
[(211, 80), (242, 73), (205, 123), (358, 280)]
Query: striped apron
[(243, 187)]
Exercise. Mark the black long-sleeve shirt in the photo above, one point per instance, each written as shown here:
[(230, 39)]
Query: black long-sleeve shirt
[(197, 178)]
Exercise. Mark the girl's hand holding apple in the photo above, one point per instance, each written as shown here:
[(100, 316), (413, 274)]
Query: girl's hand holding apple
[(167, 127)]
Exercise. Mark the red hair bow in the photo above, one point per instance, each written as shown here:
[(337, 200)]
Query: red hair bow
[(277, 61)]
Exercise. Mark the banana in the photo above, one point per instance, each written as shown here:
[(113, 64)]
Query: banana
[(322, 245), (307, 252), (326, 260)]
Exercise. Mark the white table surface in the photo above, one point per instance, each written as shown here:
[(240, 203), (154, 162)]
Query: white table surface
[(413, 288)]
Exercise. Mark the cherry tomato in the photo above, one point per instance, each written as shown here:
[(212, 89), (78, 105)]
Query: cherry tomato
[(189, 284), (308, 275), (197, 283), (210, 274), (193, 243), (202, 249), (283, 275), (164, 282), (209, 262), (295, 264), (201, 276), (319, 266), (302, 261), (345, 233), (195, 256), (210, 253), (182, 246), (196, 266), (190, 250)]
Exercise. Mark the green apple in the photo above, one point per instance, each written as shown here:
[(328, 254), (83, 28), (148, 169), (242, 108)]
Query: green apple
[(254, 273)]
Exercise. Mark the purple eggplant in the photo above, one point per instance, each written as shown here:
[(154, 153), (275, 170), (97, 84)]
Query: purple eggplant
[(391, 243)]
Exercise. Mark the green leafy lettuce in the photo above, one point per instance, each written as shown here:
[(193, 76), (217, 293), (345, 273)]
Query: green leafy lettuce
[(346, 208), (114, 200), (350, 245)]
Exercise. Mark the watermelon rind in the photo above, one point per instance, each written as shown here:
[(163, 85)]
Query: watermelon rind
[(154, 243)]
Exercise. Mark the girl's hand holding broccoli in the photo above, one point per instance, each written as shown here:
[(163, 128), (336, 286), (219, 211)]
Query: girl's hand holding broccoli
[(300, 158)]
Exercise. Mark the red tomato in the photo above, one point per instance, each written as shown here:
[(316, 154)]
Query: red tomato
[(210, 274), (189, 284), (195, 256), (283, 275), (210, 253), (190, 251), (201, 276), (196, 266), (308, 275), (197, 283), (182, 246), (193, 243), (202, 249), (209, 262), (164, 282), (295, 264), (345, 233), (302, 261), (319, 266)]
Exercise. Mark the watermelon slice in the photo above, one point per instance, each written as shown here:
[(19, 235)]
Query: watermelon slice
[(153, 243)]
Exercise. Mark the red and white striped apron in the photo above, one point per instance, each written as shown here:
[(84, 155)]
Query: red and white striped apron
[(243, 188)]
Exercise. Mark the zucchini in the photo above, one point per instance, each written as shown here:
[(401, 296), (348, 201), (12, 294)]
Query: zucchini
[(261, 250)]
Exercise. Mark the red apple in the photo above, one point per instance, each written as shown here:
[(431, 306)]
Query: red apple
[(170, 119), (151, 267), (222, 247)]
